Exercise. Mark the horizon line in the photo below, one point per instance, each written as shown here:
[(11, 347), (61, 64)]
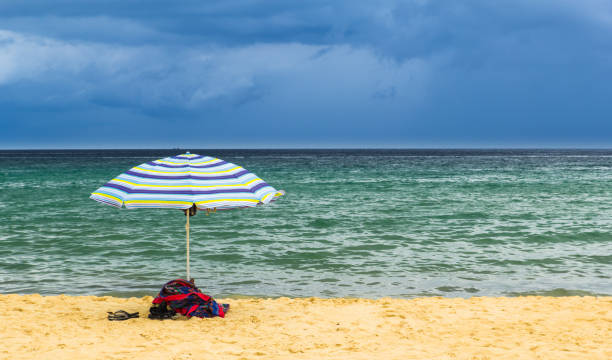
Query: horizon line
[(318, 148)]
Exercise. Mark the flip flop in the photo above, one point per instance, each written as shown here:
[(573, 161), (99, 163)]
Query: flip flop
[(120, 315), (169, 315)]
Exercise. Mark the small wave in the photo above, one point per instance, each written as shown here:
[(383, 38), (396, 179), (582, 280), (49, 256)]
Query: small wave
[(128, 294), (323, 223), (16, 266), (556, 293), (245, 282), (448, 288), (371, 247), (466, 215)]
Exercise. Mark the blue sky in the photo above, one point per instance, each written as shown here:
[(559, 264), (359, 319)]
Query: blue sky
[(206, 74)]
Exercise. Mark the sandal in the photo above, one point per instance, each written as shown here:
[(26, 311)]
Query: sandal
[(121, 315), (161, 312)]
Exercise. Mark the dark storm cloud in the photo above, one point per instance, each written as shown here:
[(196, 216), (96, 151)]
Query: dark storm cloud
[(352, 72)]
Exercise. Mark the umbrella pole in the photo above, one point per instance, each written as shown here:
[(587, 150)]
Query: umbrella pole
[(187, 230)]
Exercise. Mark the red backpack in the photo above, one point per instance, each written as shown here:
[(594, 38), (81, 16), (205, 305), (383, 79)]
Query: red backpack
[(185, 298)]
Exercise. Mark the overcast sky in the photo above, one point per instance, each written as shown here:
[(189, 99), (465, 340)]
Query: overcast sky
[(209, 74)]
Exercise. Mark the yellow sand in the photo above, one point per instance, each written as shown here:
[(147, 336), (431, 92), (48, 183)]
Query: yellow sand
[(68, 327)]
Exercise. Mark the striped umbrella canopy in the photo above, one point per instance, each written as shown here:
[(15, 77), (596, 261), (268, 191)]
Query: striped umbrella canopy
[(187, 181)]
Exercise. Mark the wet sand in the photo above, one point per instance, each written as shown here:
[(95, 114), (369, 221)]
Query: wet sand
[(70, 327)]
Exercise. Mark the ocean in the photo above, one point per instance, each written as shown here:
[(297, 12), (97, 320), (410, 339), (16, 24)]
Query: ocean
[(354, 223)]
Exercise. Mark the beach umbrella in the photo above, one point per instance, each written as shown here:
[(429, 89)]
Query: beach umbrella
[(187, 182)]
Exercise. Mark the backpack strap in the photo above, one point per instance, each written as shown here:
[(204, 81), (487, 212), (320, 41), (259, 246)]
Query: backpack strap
[(183, 283), (193, 308), (202, 296), (159, 299)]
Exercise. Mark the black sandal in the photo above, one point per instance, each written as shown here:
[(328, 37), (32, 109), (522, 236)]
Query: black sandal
[(121, 315), (161, 312)]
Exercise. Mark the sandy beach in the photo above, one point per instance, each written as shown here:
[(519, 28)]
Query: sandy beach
[(69, 327)]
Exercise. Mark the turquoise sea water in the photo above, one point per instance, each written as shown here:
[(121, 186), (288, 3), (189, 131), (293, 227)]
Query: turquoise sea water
[(354, 223)]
